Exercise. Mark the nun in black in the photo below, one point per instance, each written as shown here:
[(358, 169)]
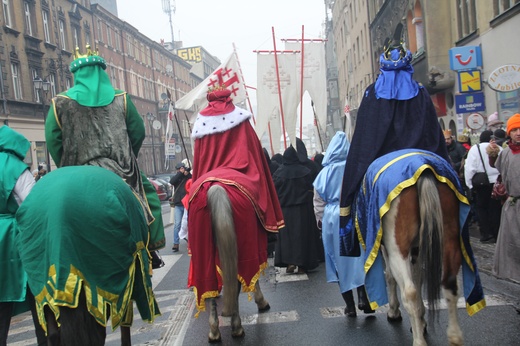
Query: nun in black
[(298, 242)]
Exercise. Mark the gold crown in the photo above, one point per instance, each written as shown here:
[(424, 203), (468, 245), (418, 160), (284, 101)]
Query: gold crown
[(216, 87), (77, 55)]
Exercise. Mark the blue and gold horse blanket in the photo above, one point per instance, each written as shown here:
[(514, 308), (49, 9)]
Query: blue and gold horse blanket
[(384, 180)]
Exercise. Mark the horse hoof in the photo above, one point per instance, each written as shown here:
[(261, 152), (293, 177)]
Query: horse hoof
[(394, 319), (238, 334), (214, 340), (265, 308)]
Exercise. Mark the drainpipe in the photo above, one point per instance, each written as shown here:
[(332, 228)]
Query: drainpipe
[(2, 92)]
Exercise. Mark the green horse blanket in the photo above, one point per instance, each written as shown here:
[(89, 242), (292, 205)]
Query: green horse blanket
[(82, 227)]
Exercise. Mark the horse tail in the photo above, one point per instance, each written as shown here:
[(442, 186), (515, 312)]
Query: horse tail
[(225, 239), (431, 236)]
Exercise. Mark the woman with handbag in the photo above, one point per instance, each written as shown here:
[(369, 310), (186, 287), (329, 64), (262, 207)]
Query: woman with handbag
[(507, 161), (480, 177)]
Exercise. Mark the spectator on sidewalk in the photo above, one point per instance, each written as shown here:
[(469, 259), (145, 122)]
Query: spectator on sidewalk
[(178, 181), (507, 162), (487, 209), (456, 150)]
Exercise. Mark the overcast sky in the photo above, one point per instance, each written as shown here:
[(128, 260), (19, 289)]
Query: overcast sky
[(216, 25)]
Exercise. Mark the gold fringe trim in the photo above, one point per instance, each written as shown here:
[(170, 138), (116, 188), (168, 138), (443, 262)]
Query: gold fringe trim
[(473, 309), (201, 305), (106, 301)]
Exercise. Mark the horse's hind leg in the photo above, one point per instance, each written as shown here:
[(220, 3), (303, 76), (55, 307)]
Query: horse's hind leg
[(261, 302), (451, 261), (399, 264), (53, 331), (214, 332), (394, 314), (126, 338), (226, 241), (79, 327)]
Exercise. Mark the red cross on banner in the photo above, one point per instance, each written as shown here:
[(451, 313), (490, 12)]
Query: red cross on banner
[(346, 109), (225, 77)]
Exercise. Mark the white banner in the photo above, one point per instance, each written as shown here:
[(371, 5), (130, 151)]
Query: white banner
[(228, 74), (268, 99), (314, 75), (169, 153)]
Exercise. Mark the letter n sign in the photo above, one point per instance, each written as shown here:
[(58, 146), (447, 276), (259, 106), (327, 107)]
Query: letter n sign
[(470, 81)]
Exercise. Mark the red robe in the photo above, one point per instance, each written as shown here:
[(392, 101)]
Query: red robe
[(235, 160)]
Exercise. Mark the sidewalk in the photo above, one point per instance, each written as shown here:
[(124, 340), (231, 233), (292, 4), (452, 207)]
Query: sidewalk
[(484, 253)]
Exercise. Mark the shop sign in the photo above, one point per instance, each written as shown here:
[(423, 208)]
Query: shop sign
[(473, 102), (505, 78), (465, 58), (470, 81)]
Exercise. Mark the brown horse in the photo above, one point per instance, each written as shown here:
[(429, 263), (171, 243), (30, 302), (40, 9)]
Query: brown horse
[(420, 235), (226, 242), (421, 238)]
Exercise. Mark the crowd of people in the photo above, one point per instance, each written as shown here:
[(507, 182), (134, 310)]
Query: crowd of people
[(315, 195)]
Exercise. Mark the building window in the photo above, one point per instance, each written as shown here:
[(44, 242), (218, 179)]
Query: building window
[(7, 13), (466, 17), (28, 18), (129, 49), (68, 83), (133, 82), (17, 87), (87, 37), (113, 76), (118, 40), (34, 74), (46, 33), (61, 24), (52, 80), (500, 6), (121, 79), (100, 32), (76, 36), (109, 36)]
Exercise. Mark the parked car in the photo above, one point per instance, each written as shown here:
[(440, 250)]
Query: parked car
[(160, 189), (166, 177), (167, 186)]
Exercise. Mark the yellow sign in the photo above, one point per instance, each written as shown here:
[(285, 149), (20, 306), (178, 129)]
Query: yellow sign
[(470, 81), (191, 54)]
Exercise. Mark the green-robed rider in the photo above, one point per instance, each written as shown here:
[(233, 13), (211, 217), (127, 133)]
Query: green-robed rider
[(94, 124)]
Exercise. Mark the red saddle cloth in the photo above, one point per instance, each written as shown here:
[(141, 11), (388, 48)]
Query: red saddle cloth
[(235, 160)]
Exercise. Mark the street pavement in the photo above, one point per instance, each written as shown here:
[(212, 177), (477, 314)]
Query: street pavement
[(305, 310)]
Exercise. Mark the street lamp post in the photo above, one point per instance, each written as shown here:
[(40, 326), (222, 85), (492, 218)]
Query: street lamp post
[(43, 86), (150, 118)]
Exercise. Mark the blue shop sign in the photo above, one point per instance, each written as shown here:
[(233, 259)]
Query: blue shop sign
[(473, 102), (509, 105), (465, 58)]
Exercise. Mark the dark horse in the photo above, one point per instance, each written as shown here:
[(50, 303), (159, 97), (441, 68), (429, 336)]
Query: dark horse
[(419, 209), (82, 241)]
